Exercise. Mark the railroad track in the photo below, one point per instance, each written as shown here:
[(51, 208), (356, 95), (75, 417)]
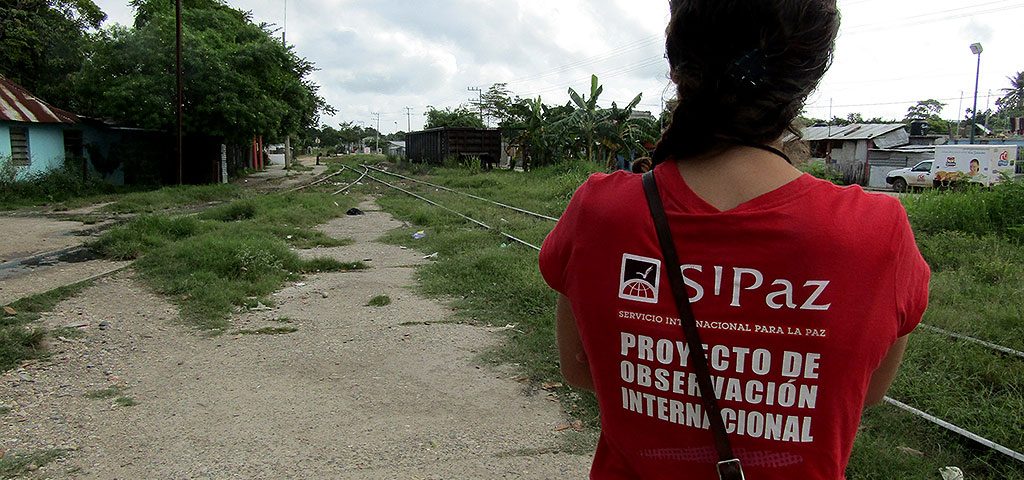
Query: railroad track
[(1018, 456)]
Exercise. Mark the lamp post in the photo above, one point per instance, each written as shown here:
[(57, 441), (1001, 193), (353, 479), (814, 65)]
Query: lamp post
[(975, 49)]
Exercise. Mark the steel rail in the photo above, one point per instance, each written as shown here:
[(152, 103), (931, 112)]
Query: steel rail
[(955, 429), (316, 182), (449, 210), (351, 184), (442, 187), (993, 346)]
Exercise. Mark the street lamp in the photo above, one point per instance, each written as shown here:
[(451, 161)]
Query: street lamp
[(975, 49)]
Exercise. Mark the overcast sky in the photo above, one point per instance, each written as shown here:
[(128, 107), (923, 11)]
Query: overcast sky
[(385, 55)]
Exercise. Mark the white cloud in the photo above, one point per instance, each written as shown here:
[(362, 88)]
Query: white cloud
[(384, 55)]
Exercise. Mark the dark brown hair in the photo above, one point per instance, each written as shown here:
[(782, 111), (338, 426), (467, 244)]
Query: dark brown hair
[(743, 69)]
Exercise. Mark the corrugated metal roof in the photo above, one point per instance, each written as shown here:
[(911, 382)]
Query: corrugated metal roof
[(856, 131), (18, 105)]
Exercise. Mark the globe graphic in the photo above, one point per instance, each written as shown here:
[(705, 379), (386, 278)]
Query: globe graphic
[(638, 288)]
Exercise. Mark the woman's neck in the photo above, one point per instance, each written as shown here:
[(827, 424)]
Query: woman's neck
[(729, 178)]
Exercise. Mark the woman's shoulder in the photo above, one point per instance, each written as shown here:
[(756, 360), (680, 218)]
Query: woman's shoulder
[(610, 184), (853, 199)]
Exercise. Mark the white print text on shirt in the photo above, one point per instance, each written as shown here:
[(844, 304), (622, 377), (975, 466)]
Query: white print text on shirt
[(781, 293)]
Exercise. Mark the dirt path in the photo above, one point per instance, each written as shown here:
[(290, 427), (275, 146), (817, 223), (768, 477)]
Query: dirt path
[(356, 392)]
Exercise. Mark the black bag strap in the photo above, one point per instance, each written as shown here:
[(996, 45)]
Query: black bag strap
[(729, 467)]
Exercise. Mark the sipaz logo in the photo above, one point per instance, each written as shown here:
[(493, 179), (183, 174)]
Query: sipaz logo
[(640, 277)]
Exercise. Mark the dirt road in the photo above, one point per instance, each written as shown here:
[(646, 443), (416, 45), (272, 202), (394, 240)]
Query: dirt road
[(355, 392)]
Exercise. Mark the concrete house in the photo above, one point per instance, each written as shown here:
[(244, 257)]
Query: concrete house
[(35, 137)]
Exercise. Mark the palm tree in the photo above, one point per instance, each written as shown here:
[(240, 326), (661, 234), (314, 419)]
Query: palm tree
[(1013, 98)]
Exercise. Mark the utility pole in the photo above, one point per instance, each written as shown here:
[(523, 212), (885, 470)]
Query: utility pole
[(288, 135), (480, 101), (180, 100), (408, 116), (377, 140), (959, 116)]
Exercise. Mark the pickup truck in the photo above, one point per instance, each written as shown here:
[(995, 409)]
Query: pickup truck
[(918, 176)]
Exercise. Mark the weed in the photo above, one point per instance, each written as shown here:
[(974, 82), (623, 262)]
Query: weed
[(19, 338), (173, 197), (379, 301), (146, 233), (823, 171), (16, 465), (268, 331), (103, 394), (4, 409), (125, 402), (230, 255)]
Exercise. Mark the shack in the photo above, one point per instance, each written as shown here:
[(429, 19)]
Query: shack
[(436, 145)]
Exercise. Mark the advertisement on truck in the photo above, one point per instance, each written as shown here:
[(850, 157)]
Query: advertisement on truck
[(984, 164)]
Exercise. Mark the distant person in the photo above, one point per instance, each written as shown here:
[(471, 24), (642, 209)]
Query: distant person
[(804, 292), (642, 165)]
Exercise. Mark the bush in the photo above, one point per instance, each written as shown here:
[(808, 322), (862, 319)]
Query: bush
[(144, 234), (53, 186), (823, 171)]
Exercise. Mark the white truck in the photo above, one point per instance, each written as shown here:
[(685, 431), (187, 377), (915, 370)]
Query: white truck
[(918, 176), (958, 164)]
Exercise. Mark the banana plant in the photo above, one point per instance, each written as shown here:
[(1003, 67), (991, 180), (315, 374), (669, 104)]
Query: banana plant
[(587, 116)]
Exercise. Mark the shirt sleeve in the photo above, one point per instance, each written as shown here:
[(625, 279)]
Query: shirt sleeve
[(912, 277), (557, 248)]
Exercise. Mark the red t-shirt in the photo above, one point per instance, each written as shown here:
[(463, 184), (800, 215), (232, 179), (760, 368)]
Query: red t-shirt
[(798, 294)]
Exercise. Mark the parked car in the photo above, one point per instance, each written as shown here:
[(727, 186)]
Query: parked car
[(918, 176)]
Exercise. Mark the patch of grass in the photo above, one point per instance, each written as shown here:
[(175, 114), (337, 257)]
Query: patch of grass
[(173, 197), (66, 332), (4, 410), (16, 465), (229, 254), (268, 331), (20, 338), (105, 393), (970, 239), (298, 167), (379, 301), (147, 233), (125, 402)]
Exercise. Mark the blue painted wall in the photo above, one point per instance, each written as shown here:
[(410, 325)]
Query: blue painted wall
[(5, 142), (45, 147)]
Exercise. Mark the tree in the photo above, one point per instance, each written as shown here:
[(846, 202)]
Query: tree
[(1012, 101), (928, 111), (457, 117), (44, 43), (497, 103), (240, 81)]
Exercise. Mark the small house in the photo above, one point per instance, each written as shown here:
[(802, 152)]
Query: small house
[(35, 137), (848, 148), (396, 149)]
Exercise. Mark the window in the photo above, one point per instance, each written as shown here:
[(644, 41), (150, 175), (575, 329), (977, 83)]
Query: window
[(923, 167), (73, 144), (19, 147)]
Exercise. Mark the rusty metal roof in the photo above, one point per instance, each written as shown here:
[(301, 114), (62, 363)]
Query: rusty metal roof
[(18, 105)]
